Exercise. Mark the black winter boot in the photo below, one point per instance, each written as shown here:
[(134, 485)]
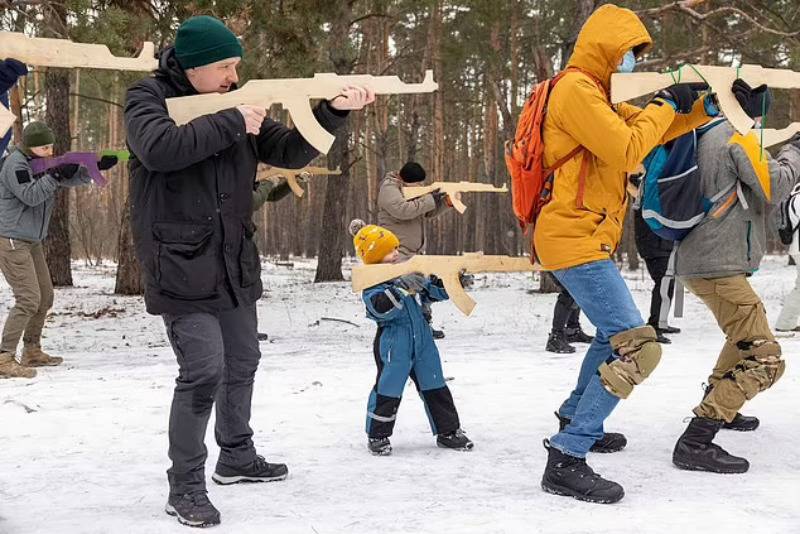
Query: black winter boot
[(557, 342), (661, 338), (193, 509), (740, 423), (671, 330), (610, 442), (379, 446), (571, 477), (455, 440), (695, 451), (259, 470), (577, 335)]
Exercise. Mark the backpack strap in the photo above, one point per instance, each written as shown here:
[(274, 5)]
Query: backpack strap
[(584, 172)]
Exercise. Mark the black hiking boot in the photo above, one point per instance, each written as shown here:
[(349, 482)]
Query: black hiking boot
[(740, 423), (379, 446), (455, 440), (437, 334), (571, 477), (671, 330), (262, 336), (259, 470), (577, 335), (193, 509), (661, 338), (557, 342), (695, 451), (610, 442)]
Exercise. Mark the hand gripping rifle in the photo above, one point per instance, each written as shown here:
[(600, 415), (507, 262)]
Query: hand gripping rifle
[(85, 159), (445, 267)]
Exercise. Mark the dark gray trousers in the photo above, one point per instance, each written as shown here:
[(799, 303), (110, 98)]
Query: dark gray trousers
[(217, 357)]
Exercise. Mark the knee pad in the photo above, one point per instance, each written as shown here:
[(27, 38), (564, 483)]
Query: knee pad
[(760, 367), (639, 354)]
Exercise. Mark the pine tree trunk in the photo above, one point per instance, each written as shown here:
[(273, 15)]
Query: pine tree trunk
[(129, 272), (57, 245), (333, 227)]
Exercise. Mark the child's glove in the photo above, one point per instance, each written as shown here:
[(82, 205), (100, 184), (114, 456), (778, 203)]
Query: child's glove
[(467, 280), (413, 283)]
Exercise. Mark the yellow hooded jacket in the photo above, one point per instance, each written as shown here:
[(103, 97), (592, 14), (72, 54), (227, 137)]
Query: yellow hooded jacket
[(616, 139)]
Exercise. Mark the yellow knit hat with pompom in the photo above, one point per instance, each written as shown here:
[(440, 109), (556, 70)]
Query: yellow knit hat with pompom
[(372, 242)]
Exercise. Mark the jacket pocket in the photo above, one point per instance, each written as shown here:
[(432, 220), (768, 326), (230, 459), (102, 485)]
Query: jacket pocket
[(187, 266), (249, 260)]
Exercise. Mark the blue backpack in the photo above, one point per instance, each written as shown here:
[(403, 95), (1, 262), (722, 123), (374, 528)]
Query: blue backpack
[(672, 200)]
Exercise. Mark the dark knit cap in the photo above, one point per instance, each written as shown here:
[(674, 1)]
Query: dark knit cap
[(37, 134), (412, 172), (204, 40)]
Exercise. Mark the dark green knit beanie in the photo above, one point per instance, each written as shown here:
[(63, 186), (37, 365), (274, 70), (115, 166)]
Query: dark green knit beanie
[(37, 134), (204, 40)]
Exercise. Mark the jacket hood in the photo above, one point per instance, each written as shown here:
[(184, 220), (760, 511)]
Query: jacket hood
[(170, 70), (605, 37)]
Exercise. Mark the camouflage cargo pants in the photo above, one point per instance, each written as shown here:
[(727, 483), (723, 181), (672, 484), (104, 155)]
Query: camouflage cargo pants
[(750, 360)]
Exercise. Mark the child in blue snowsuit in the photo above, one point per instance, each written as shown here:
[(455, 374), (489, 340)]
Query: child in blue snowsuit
[(404, 347)]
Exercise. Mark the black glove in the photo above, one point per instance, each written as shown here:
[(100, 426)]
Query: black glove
[(106, 162), (754, 101), (439, 198), (413, 283), (10, 70), (436, 281), (683, 95), (64, 172), (467, 280)]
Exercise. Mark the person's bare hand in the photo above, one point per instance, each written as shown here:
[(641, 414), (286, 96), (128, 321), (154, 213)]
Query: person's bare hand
[(353, 98), (253, 117)]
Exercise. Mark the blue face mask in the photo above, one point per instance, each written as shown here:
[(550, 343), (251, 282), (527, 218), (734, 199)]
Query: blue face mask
[(628, 62)]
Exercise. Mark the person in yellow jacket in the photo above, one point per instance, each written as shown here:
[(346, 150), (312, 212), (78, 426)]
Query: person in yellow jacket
[(580, 228)]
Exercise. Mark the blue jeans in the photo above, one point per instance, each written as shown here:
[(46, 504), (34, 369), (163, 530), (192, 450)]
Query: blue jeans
[(600, 291)]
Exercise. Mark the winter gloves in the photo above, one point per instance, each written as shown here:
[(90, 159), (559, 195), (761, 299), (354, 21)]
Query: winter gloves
[(680, 96), (106, 162), (10, 70), (754, 101), (64, 172)]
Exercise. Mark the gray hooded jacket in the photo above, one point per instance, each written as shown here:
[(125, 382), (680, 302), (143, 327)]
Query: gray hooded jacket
[(734, 241)]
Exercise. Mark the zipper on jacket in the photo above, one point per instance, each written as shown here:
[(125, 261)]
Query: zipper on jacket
[(749, 226), (44, 216)]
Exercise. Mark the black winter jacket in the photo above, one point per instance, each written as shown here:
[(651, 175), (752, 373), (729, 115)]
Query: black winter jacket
[(648, 243), (192, 194)]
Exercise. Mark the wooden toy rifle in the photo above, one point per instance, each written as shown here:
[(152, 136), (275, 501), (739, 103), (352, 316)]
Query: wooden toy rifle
[(294, 94), (451, 188), (291, 176), (720, 80), (445, 267)]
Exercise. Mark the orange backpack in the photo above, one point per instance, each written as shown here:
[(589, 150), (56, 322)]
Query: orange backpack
[(531, 181)]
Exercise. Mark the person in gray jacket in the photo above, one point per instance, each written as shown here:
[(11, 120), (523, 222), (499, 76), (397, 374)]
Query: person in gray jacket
[(714, 261), (406, 218), (26, 203)]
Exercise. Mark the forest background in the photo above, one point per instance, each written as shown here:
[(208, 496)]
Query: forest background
[(486, 55)]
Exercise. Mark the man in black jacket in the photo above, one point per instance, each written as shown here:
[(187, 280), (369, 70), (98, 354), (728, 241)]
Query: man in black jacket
[(191, 209)]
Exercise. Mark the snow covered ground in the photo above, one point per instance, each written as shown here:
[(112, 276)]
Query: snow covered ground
[(83, 446)]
